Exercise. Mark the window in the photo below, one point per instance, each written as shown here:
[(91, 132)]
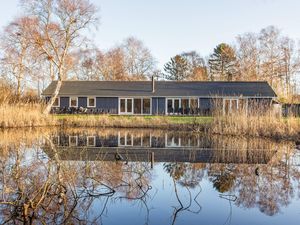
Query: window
[(137, 106), (55, 140), (73, 141), (173, 105), (91, 141), (193, 103), (126, 105), (122, 105), (231, 105), (56, 102), (125, 139), (184, 103), (73, 102), (170, 106), (129, 105), (91, 102), (146, 106), (176, 105)]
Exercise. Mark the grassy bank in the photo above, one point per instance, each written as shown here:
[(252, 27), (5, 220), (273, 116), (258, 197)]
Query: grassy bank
[(258, 124), (161, 122)]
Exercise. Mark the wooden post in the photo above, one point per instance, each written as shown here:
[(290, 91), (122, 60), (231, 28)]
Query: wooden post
[(152, 159)]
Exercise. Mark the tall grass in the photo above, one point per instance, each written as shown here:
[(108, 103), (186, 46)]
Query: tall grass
[(24, 115), (257, 121)]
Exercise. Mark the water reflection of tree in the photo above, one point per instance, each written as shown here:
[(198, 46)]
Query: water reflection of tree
[(266, 186), (188, 176), (36, 189)]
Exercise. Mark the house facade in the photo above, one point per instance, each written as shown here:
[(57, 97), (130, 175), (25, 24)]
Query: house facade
[(157, 97)]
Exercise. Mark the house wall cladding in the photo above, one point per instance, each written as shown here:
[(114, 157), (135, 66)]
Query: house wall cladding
[(82, 102), (64, 102), (108, 104), (158, 105)]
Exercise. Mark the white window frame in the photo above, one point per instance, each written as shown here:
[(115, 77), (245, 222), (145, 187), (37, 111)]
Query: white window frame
[(94, 141), (58, 105), (173, 100), (180, 105), (132, 110), (76, 138), (126, 137), (57, 140), (142, 105), (88, 102), (230, 103), (125, 113), (70, 99)]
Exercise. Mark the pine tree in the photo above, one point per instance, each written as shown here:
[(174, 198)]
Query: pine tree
[(176, 68), (222, 63)]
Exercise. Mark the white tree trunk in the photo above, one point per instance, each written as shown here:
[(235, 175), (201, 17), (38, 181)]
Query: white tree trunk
[(53, 97)]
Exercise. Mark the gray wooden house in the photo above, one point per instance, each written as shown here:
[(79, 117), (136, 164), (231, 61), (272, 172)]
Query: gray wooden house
[(157, 97)]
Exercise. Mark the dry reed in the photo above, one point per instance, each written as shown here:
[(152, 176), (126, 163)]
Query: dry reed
[(24, 115), (256, 121)]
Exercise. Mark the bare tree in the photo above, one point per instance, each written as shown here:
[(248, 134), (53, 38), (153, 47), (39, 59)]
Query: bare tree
[(139, 62), (112, 64), (248, 56), (17, 52), (56, 30)]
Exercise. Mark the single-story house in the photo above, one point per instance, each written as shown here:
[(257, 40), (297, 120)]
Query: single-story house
[(157, 97)]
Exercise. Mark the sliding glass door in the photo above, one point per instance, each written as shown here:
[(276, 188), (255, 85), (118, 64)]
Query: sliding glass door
[(126, 106), (137, 106)]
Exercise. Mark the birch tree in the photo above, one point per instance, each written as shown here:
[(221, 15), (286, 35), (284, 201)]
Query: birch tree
[(16, 52), (57, 29)]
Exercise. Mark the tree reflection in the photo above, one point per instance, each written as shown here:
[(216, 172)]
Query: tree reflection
[(35, 189)]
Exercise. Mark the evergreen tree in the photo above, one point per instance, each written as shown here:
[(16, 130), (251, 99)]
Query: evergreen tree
[(222, 63), (176, 68)]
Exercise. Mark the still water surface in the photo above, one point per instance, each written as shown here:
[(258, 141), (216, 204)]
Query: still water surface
[(146, 177)]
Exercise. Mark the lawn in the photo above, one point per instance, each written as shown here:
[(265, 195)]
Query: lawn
[(169, 119)]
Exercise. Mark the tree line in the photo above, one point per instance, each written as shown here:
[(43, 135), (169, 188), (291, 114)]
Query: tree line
[(47, 42)]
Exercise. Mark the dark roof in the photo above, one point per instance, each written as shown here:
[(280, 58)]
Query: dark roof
[(162, 88)]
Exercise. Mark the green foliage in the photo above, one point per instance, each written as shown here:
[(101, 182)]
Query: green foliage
[(223, 63), (176, 69), (186, 66)]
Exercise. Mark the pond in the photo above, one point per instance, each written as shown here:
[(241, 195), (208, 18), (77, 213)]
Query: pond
[(123, 176)]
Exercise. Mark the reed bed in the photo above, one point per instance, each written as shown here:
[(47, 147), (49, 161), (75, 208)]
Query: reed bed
[(256, 122), (24, 115)]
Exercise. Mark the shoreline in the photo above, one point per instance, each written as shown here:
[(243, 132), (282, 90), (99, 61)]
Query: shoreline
[(207, 125)]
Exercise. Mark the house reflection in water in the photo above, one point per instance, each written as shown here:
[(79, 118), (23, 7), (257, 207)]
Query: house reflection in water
[(139, 145)]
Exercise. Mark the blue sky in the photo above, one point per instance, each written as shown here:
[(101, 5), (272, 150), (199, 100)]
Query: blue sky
[(169, 27)]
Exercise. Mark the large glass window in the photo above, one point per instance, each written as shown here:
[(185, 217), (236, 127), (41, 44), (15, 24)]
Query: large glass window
[(91, 102), (91, 141), (176, 105), (146, 106), (231, 105), (73, 140), (184, 103), (122, 105), (193, 103), (73, 101), (170, 105), (173, 105), (137, 106), (129, 105)]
